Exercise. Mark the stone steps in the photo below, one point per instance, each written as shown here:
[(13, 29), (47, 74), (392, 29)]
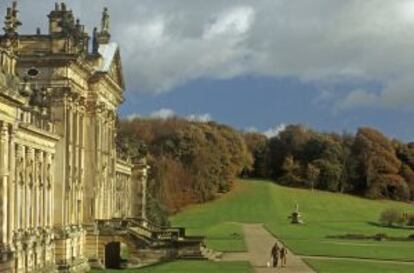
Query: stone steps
[(211, 254)]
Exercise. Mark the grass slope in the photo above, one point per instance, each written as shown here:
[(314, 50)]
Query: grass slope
[(358, 267), (324, 214)]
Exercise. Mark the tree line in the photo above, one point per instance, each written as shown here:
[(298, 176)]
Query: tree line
[(367, 164), (194, 162)]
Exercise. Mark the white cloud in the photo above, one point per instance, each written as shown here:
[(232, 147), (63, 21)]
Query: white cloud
[(166, 113), (169, 43), (274, 132), (150, 34), (324, 97), (133, 116), (269, 133), (397, 94), (359, 98), (163, 113), (232, 22), (251, 129), (200, 117)]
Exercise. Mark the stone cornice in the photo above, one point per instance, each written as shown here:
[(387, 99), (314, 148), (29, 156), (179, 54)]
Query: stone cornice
[(38, 132), (111, 83)]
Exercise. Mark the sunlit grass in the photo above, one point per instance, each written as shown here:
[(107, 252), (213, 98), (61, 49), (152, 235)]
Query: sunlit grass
[(324, 214), (358, 267)]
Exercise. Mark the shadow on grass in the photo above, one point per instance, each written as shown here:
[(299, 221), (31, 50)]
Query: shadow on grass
[(233, 236), (389, 227), (163, 262)]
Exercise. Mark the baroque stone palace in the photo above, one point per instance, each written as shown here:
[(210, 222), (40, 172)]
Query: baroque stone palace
[(68, 201)]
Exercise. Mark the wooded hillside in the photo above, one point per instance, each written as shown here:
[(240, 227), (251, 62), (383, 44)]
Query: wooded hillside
[(367, 164), (193, 162)]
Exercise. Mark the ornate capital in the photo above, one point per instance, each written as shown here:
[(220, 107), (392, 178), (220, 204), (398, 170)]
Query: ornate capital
[(39, 156), (4, 131)]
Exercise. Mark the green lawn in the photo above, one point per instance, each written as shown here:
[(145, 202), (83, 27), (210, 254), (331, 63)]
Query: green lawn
[(324, 214), (225, 236), (190, 267), (358, 267)]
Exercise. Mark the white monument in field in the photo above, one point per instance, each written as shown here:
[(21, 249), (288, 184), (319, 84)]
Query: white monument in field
[(296, 217)]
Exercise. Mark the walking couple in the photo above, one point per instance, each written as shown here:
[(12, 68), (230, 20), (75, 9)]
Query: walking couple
[(279, 253)]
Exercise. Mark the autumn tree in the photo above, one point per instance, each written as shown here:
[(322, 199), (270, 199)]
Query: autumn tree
[(191, 162), (257, 145), (379, 167)]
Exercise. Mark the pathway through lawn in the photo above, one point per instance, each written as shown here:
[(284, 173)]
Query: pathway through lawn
[(259, 244)]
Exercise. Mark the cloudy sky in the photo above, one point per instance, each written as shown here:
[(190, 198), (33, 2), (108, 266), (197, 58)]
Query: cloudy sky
[(259, 64)]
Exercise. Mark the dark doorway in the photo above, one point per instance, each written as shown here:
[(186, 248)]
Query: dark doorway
[(113, 255)]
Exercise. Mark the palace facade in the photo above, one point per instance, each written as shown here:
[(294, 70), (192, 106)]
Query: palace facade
[(61, 179)]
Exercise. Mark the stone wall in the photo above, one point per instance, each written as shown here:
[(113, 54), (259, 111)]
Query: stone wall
[(59, 168)]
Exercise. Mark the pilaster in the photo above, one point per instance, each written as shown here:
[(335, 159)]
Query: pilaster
[(30, 157), (144, 196), (20, 185), (12, 187), (4, 173), (49, 185), (39, 189)]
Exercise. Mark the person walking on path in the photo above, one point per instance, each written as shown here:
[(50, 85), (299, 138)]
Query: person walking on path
[(283, 256), (275, 255)]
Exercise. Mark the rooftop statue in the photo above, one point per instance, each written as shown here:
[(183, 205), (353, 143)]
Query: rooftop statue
[(105, 21), (11, 21)]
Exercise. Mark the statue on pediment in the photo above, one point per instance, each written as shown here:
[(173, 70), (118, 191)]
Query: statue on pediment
[(105, 21)]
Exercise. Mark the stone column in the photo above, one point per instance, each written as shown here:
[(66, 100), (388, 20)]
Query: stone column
[(104, 171), (4, 172), (75, 163), (127, 193), (46, 208), (38, 209), (40, 191), (49, 189), (81, 160), (118, 196), (121, 191), (26, 194), (43, 192), (101, 174), (12, 186), (66, 198), (144, 192), (20, 179), (109, 188), (129, 183), (29, 188), (70, 178)]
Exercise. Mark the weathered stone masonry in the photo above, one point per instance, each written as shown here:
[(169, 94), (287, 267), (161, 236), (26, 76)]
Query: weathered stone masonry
[(67, 198), (59, 168)]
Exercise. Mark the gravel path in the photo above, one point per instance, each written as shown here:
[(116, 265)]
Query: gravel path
[(259, 244)]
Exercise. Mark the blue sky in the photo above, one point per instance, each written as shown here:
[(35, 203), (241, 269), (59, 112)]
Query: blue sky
[(263, 103), (333, 65)]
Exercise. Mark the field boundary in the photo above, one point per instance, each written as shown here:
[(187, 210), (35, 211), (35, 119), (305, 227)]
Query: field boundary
[(356, 259)]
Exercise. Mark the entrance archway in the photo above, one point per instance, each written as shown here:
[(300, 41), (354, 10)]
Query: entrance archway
[(113, 255)]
